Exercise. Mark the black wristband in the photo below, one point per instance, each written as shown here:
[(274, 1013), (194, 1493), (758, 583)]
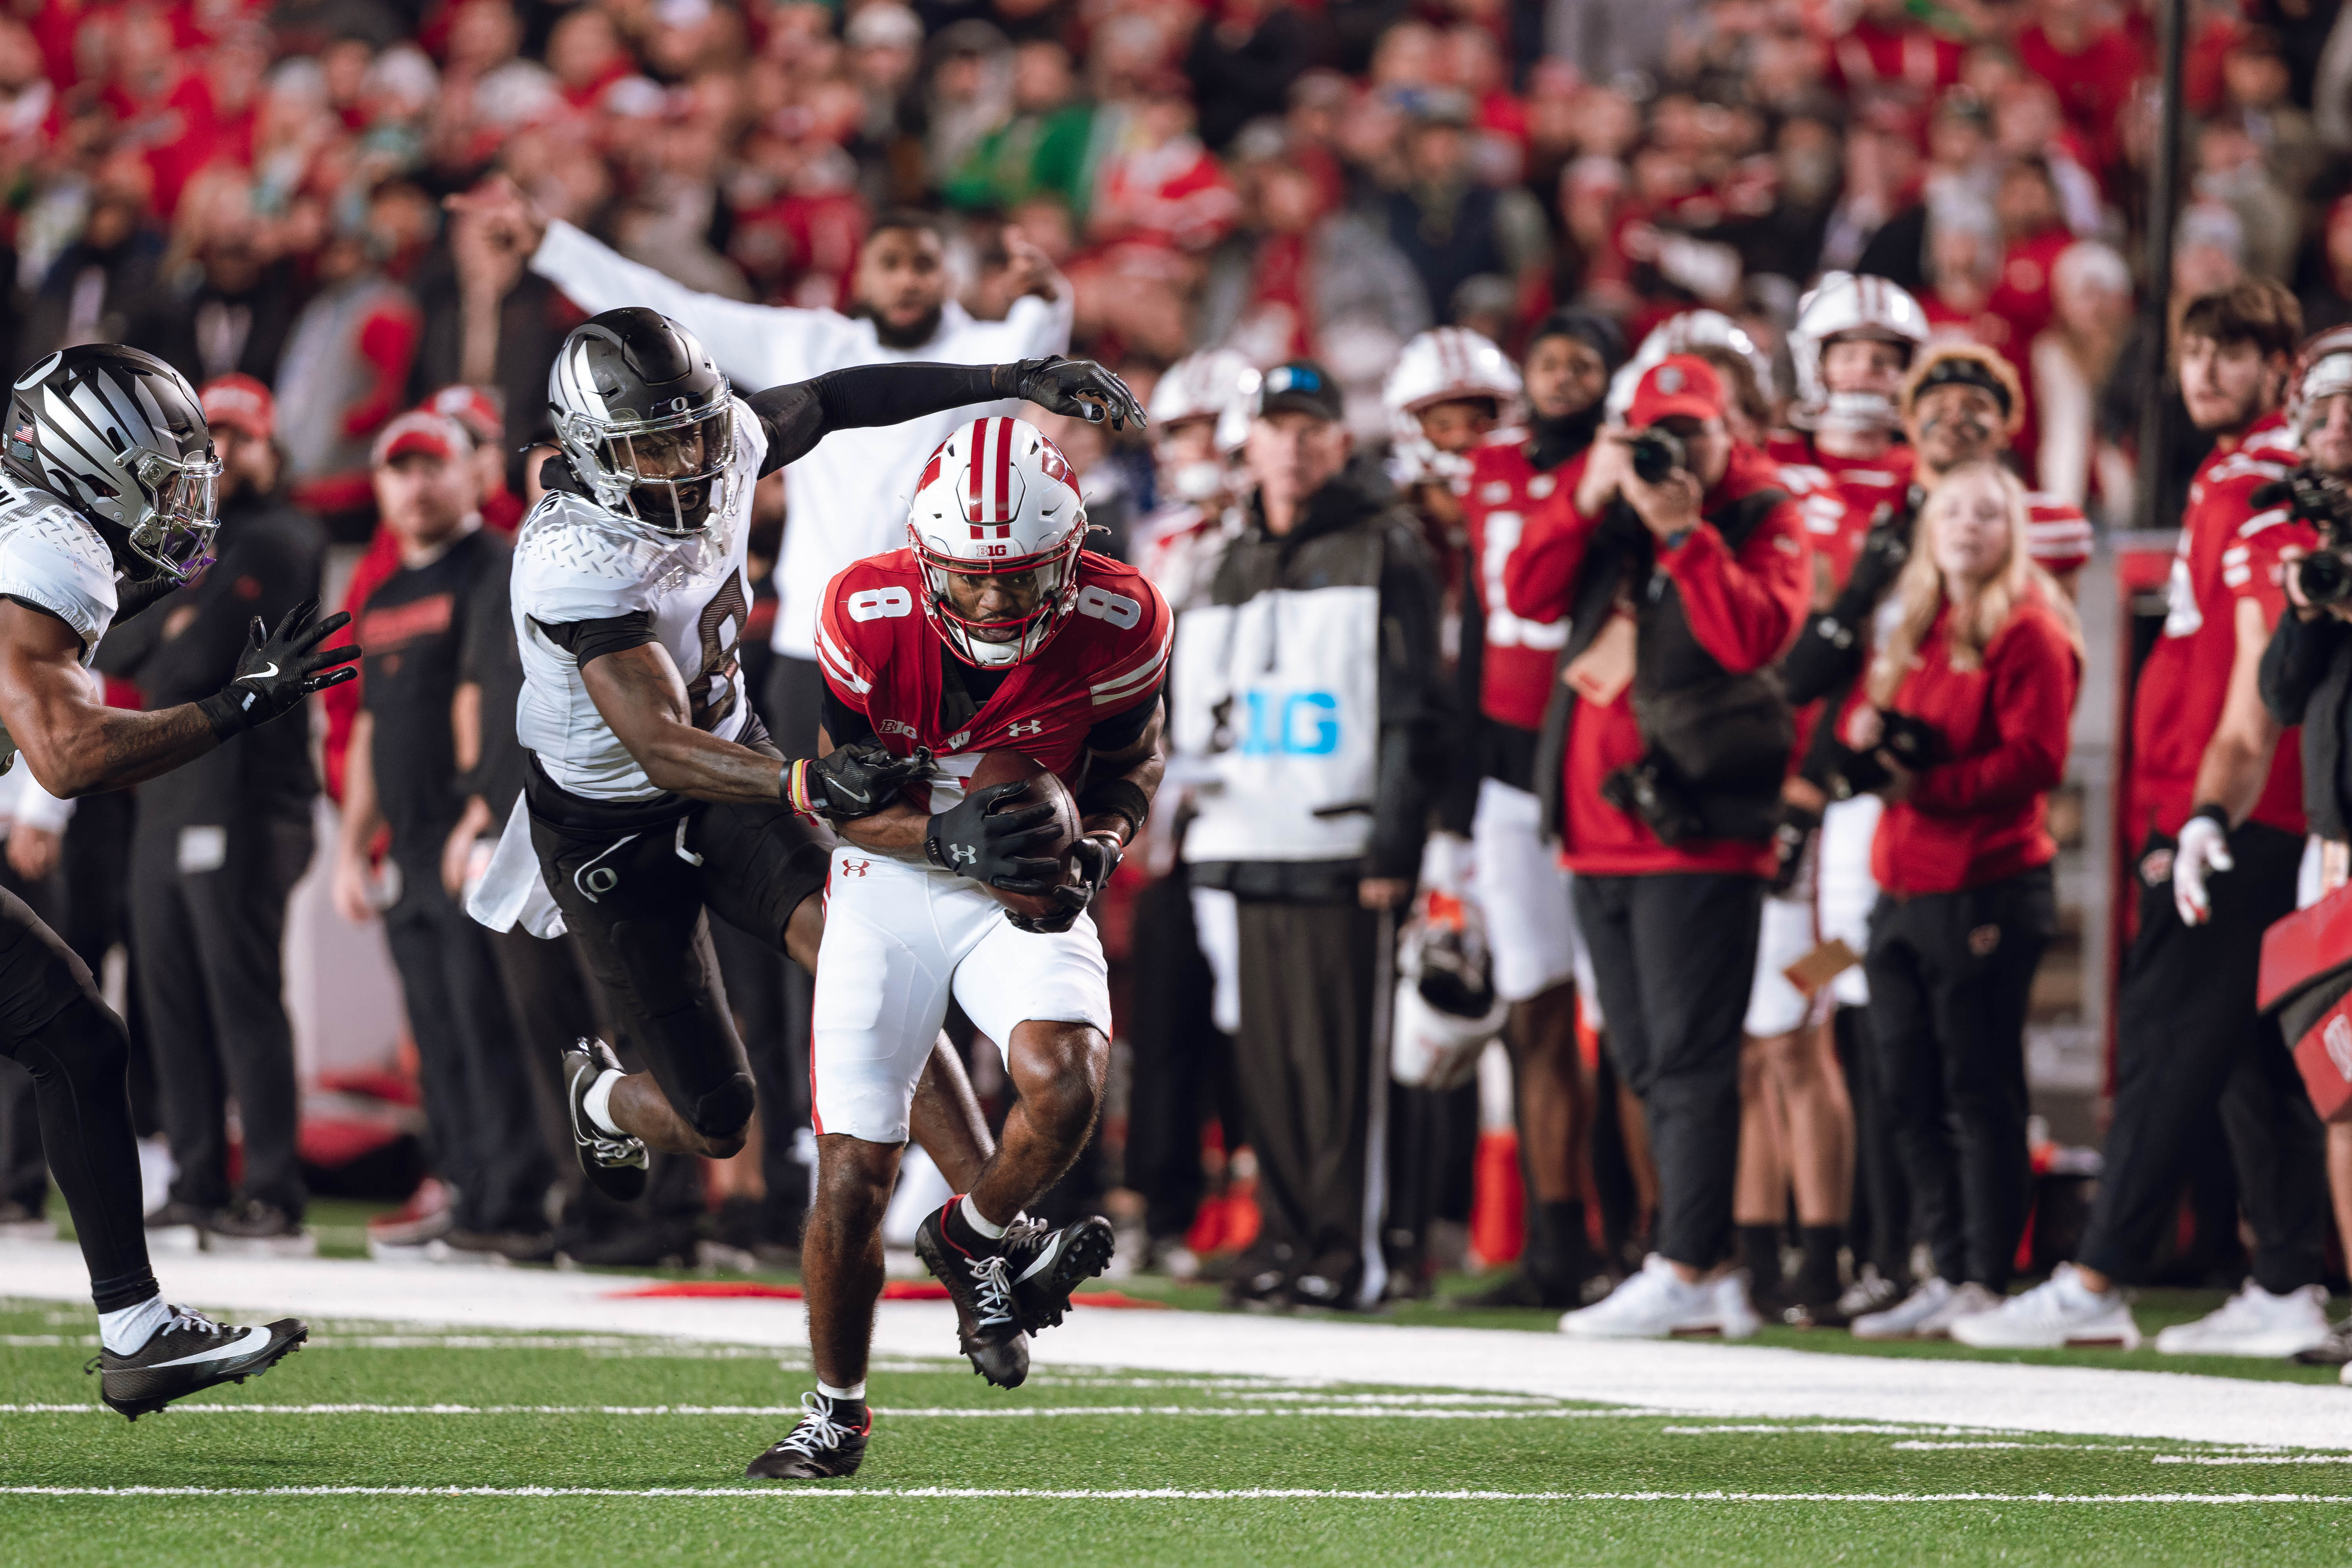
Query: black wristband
[(228, 711), (1118, 796), (2212, 813)]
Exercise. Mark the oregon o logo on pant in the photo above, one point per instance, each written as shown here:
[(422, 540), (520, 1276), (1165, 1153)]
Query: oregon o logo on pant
[(602, 879), (1295, 725)]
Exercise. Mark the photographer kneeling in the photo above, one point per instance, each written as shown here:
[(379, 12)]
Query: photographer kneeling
[(2306, 679), (1685, 572), (1970, 702)]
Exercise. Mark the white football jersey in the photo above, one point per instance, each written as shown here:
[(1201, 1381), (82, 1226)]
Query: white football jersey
[(574, 560), (50, 556)]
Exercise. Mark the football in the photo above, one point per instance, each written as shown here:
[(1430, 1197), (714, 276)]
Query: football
[(1061, 829)]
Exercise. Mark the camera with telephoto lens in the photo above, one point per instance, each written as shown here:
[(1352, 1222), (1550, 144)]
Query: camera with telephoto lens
[(1648, 791), (2322, 500), (1908, 738), (1656, 453)]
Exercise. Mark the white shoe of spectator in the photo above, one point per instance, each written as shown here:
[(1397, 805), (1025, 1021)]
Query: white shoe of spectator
[(1929, 1312), (1655, 1304), (1736, 1316), (2062, 1311), (2253, 1323)]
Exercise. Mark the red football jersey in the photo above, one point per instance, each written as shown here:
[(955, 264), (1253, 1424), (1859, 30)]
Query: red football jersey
[(1514, 682), (1840, 497), (2228, 552), (881, 657)]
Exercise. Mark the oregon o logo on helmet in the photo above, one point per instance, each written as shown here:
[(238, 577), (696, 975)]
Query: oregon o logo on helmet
[(1292, 724)]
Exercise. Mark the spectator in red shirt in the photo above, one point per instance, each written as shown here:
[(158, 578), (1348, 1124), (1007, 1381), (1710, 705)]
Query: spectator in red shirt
[(2216, 787), (2075, 46), (1680, 591), (1982, 669)]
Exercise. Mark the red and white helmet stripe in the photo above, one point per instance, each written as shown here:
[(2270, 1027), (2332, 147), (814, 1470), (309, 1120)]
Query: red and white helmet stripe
[(997, 498)]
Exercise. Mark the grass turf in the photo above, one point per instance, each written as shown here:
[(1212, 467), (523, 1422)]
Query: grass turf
[(1152, 1432)]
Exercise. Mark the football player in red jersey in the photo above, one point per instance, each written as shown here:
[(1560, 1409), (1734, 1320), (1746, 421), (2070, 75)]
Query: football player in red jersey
[(2216, 791), (995, 630), (1524, 890)]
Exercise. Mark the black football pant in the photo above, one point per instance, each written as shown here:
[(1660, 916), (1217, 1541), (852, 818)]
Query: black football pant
[(209, 944), (1950, 975), (1675, 955), (2188, 1039), (54, 1024), (636, 898), (479, 1115), (23, 1174), (1313, 1085)]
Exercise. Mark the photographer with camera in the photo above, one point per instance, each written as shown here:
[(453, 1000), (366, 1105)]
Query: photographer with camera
[(2306, 679), (1966, 712), (2215, 788), (1684, 570)]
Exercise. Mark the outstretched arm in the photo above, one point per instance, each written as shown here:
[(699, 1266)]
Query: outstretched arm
[(76, 745), (798, 415)]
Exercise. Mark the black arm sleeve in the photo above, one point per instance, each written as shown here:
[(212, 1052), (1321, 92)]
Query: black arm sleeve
[(1126, 727), (586, 640), (2295, 661), (798, 415), (844, 724)]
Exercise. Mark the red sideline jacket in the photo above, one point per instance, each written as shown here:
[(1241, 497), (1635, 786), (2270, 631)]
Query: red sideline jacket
[(1983, 814), (1743, 609)]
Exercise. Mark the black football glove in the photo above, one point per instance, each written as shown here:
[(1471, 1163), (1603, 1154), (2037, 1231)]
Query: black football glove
[(966, 839), (1077, 387), (850, 781), (280, 668), (1093, 859)]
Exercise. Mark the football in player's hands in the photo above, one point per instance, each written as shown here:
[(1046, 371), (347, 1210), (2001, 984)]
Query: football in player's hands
[(850, 781), (1093, 860), (1013, 832)]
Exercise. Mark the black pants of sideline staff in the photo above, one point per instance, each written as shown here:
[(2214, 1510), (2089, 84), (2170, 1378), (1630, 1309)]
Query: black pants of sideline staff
[(481, 1121), (1949, 977), (2188, 1039), (1675, 958), (208, 921)]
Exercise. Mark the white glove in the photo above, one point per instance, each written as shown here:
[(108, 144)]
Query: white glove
[(2203, 851)]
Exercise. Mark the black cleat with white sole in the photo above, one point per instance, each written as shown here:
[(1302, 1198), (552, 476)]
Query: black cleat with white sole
[(189, 1355), (824, 1446), (1048, 1265), (614, 1163), (988, 1326)]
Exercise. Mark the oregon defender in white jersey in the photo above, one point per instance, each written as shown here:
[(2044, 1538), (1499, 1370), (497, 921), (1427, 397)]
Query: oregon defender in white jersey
[(106, 505)]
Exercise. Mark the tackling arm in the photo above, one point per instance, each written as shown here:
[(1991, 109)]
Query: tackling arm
[(797, 417), (641, 696)]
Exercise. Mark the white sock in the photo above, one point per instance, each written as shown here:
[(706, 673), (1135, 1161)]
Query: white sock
[(124, 1331), (598, 1101), (979, 1222), (855, 1394)]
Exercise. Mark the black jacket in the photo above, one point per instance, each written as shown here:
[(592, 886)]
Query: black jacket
[(271, 560), (2306, 679), (1353, 529)]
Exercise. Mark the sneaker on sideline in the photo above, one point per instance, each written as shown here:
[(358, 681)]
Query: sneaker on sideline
[(1902, 1319), (2253, 1323), (1657, 1303), (2336, 1350), (2060, 1312)]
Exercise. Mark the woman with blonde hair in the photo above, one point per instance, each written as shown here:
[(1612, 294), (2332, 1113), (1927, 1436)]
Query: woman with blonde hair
[(1967, 709)]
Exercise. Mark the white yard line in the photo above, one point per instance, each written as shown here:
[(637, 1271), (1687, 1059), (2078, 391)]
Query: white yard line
[(1684, 1379), (951, 1413), (1168, 1494)]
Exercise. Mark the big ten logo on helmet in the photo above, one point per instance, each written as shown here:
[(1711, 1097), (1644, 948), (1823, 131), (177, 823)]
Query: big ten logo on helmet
[(879, 604), (1291, 724)]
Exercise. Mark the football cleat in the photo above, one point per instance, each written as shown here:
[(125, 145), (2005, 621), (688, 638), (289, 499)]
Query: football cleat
[(614, 1163), (188, 1354), (988, 1322), (819, 1449), (1048, 1265)]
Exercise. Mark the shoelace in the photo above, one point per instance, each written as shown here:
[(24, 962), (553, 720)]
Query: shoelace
[(186, 1319), (993, 1287), (615, 1151), (817, 1429), (1024, 1240)]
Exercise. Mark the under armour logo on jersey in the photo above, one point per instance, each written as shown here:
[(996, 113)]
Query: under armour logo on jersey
[(855, 867), (1025, 726)]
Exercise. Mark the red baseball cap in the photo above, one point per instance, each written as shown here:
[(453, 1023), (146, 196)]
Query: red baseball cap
[(1682, 384), (421, 430), (473, 407), (239, 402)]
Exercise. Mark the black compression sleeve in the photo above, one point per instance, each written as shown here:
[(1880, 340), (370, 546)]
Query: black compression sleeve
[(587, 640), (844, 724), (798, 415), (1123, 728)]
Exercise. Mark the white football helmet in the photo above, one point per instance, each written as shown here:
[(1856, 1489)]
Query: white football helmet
[(999, 499), (1438, 366), (1446, 1006), (1214, 384), (1679, 335), (2323, 369), (1846, 304)]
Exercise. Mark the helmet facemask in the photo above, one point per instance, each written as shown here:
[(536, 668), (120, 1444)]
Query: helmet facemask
[(668, 472), (1048, 583), (175, 528)]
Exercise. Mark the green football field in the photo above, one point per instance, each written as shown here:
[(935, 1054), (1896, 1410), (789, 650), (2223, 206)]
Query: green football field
[(393, 1444)]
